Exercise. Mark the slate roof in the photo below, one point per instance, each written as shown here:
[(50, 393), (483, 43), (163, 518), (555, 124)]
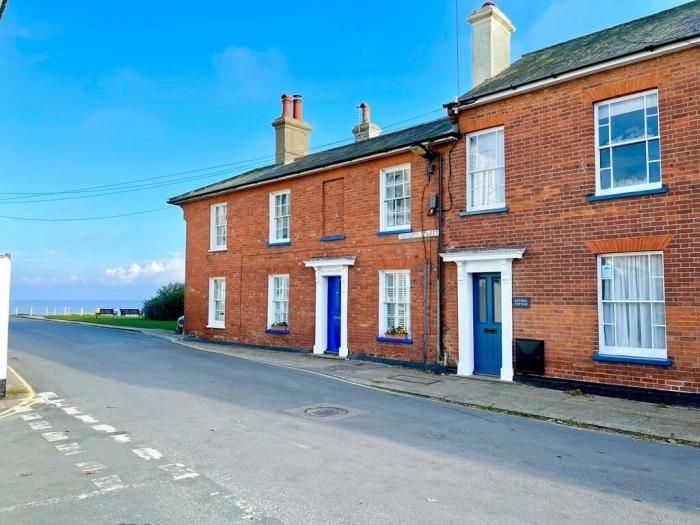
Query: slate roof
[(647, 33), (427, 131)]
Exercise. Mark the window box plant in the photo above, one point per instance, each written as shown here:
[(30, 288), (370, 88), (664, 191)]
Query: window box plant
[(279, 326), (396, 333)]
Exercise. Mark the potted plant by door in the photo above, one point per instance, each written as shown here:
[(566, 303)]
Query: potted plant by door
[(396, 333), (279, 326)]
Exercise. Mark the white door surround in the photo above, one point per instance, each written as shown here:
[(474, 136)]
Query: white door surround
[(469, 262), (324, 268)]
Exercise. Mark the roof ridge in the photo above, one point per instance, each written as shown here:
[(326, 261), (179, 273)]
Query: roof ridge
[(605, 30)]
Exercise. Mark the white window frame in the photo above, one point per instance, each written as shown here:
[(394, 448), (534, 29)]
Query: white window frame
[(635, 187), (382, 201), (271, 298), (654, 353), (273, 217), (213, 322), (382, 310), (495, 205), (214, 245)]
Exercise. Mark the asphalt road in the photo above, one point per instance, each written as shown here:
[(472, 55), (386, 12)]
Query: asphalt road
[(136, 429)]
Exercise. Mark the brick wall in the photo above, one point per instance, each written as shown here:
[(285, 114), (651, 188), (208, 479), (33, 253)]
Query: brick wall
[(550, 170), (248, 260)]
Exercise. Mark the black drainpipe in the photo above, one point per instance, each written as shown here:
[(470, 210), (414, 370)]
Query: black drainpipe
[(439, 341)]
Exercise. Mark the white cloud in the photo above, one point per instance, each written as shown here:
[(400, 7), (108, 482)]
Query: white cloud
[(172, 269), (246, 72)]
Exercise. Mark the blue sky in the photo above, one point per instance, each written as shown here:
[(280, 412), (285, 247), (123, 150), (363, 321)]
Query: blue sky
[(99, 93)]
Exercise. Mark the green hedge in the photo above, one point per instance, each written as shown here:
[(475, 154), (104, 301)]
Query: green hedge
[(167, 304)]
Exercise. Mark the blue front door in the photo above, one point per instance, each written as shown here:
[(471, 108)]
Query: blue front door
[(333, 343), (487, 323)]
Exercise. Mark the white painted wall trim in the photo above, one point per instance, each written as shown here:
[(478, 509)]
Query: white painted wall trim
[(5, 265), (619, 62), (325, 268), (484, 261)]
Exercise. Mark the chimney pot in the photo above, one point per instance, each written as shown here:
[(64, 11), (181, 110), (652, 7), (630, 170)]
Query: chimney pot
[(365, 129), (286, 101), (297, 107)]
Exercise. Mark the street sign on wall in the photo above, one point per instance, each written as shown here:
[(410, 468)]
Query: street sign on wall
[(5, 264)]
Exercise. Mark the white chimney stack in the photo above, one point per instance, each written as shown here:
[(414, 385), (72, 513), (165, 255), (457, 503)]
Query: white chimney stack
[(491, 30)]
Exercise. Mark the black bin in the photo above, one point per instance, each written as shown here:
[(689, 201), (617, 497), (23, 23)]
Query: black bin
[(529, 356)]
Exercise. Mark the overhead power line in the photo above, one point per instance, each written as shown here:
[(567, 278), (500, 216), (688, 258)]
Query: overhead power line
[(39, 219), (146, 183)]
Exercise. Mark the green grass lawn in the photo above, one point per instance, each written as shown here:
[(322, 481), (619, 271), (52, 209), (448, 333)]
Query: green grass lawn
[(135, 322)]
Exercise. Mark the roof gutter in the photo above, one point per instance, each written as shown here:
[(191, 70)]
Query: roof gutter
[(455, 135), (557, 78)]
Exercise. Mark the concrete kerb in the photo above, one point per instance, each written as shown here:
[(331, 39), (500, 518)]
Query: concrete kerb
[(491, 407), (98, 325), (10, 405)]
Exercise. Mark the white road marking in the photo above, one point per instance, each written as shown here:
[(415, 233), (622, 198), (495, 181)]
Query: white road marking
[(71, 411), (87, 419), (19, 409), (46, 395), (64, 499), (54, 436), (121, 438), (247, 507), (147, 453), (90, 466), (300, 445), (108, 483), (106, 429), (40, 425), (30, 417), (69, 449), (179, 471)]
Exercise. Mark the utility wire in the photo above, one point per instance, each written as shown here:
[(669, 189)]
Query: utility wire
[(149, 182), (37, 219)]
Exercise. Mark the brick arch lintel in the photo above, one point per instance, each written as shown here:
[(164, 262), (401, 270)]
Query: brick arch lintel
[(629, 244)]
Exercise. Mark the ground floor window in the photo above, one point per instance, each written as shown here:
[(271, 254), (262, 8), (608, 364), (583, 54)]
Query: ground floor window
[(394, 303), (217, 298), (631, 310), (278, 302)]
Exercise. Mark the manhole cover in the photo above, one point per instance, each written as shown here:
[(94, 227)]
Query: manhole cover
[(325, 411)]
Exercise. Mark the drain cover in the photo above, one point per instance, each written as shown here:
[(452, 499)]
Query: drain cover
[(326, 411)]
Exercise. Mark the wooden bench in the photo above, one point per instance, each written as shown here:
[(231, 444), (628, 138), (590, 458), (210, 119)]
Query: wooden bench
[(129, 311), (104, 311)]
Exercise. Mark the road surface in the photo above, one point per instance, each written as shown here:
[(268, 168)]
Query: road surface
[(135, 429)]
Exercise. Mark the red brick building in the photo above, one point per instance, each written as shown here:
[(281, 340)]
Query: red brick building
[(569, 187)]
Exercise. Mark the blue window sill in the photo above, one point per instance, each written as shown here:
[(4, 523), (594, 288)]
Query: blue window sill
[(328, 238), (632, 360), (394, 340), (464, 213), (395, 232), (281, 243), (594, 198), (276, 331)]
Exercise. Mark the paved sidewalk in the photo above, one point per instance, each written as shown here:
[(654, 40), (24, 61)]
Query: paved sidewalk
[(670, 423)]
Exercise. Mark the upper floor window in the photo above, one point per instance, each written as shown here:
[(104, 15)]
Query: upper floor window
[(395, 198), (279, 216), (217, 302), (627, 144), (278, 302), (395, 303), (486, 170), (631, 307), (217, 227)]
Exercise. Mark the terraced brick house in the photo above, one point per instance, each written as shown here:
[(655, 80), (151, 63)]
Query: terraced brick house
[(546, 228)]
